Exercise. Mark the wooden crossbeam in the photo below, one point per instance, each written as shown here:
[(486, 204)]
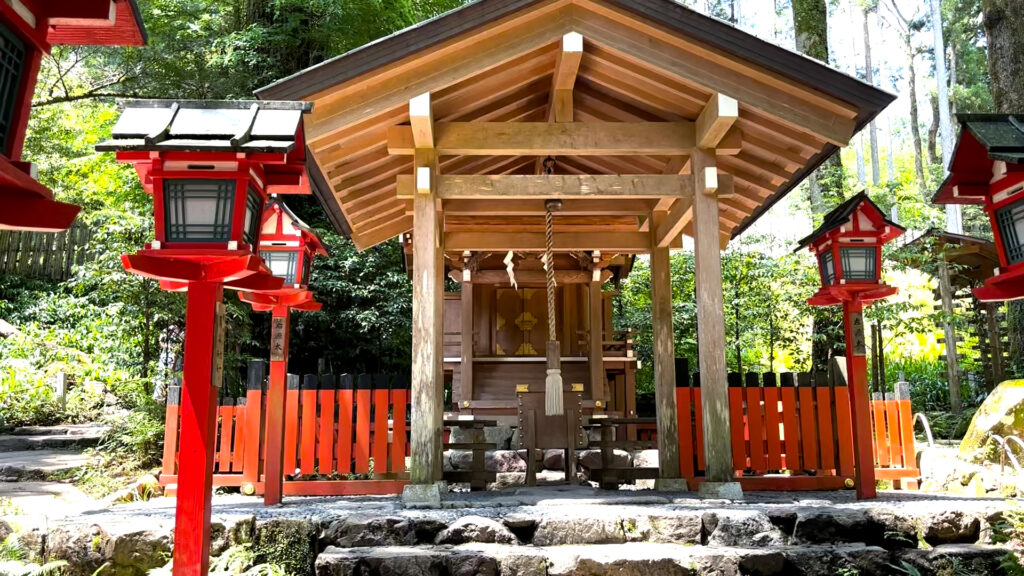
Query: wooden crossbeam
[(531, 276), (718, 116), (625, 242), (542, 138), (535, 207), (450, 187)]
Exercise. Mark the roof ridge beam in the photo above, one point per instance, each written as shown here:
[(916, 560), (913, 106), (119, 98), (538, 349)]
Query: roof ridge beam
[(511, 187)]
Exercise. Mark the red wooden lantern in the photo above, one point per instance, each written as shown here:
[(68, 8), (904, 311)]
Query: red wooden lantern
[(288, 246), (210, 167), (28, 29), (988, 169), (848, 247)]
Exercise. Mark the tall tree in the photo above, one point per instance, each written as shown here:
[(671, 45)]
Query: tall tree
[(907, 27), (954, 220), (869, 77), (810, 26), (1004, 27)]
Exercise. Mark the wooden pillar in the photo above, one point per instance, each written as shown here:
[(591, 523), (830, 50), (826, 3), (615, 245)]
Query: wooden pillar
[(427, 318), (995, 343), (597, 373), (199, 393), (664, 355), (466, 389), (860, 405), (710, 322), (952, 363), (276, 398)]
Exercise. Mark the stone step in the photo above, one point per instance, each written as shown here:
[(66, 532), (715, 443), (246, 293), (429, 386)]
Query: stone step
[(62, 430), (19, 443), (34, 464), (653, 559)]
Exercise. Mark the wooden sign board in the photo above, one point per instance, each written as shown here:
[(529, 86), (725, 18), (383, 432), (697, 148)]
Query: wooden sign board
[(859, 344), (278, 326), (218, 345)]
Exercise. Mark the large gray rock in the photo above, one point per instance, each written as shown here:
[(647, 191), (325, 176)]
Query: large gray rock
[(676, 528), (369, 530), (592, 459), (645, 459), (603, 566), (500, 436), (476, 529), (291, 543), (391, 561), (875, 527), (956, 559), (82, 547), (504, 461), (494, 461), (837, 560), (554, 459), (136, 553), (741, 528), (471, 563), (466, 435), (522, 525), (950, 527), (560, 531)]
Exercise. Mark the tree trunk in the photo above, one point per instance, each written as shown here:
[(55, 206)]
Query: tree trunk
[(933, 132), (869, 76), (1004, 28), (915, 122), (810, 26)]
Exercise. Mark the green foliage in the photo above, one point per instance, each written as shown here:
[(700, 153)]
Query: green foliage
[(239, 560), (138, 435), (14, 562)]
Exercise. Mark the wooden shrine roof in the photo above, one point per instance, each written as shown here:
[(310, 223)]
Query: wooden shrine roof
[(974, 259), (642, 61)]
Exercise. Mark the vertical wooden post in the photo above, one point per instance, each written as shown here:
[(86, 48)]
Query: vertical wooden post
[(710, 321), (253, 421), (277, 399), (860, 405), (597, 373), (664, 355), (995, 343), (198, 431), (466, 335), (952, 363), (427, 299)]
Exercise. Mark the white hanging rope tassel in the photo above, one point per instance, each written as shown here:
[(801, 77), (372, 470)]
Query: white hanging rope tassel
[(553, 402)]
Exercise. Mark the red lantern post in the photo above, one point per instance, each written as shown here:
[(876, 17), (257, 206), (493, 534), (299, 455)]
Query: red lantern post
[(288, 246), (210, 168), (28, 31), (848, 247)]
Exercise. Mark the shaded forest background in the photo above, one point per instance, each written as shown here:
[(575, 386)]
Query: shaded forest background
[(109, 328)]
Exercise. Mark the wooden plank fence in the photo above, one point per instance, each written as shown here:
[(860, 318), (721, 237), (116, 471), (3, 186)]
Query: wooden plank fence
[(345, 434), (348, 434), (47, 255), (795, 431)]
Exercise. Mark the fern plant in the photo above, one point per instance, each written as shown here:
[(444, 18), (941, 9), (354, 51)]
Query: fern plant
[(13, 561)]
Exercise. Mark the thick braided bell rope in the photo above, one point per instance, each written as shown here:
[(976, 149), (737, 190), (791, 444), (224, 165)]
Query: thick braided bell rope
[(553, 383)]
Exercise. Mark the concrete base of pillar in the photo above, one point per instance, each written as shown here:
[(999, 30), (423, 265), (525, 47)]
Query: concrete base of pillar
[(721, 490), (423, 495), (671, 485)]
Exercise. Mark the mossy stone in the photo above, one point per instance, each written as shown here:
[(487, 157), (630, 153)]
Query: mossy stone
[(1002, 413), (288, 543)]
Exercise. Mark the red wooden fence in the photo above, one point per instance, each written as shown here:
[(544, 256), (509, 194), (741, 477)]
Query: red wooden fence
[(348, 434), (795, 432), (343, 435)]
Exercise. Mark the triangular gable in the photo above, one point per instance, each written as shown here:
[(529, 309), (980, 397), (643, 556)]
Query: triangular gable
[(646, 60)]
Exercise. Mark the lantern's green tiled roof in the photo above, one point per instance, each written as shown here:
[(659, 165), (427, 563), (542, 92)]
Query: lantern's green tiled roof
[(196, 126), (1001, 134)]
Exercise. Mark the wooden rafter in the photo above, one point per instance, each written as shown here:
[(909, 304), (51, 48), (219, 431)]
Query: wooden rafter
[(567, 65)]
